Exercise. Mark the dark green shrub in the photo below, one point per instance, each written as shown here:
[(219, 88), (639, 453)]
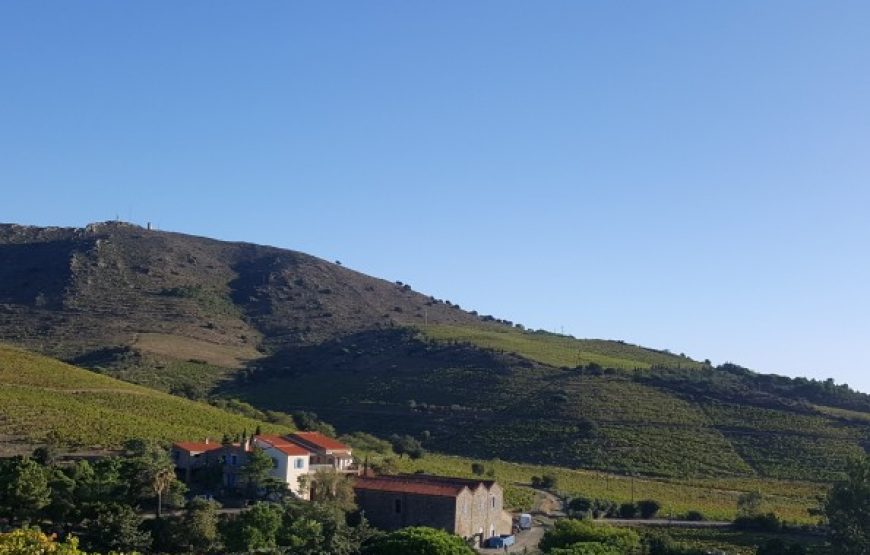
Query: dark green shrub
[(628, 510), (648, 508)]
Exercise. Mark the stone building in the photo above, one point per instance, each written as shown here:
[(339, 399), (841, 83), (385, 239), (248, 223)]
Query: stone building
[(473, 509)]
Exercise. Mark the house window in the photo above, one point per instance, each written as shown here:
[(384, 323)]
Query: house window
[(233, 460), (274, 463), (299, 463), (398, 505), (493, 502)]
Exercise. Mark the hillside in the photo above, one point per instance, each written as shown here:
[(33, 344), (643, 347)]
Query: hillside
[(39, 396), (486, 403), (287, 331)]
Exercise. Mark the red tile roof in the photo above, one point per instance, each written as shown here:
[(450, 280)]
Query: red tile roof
[(318, 440), (197, 447), (283, 445), (471, 483), (408, 484)]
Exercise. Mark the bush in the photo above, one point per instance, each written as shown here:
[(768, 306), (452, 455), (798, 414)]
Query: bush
[(628, 510), (566, 533), (695, 516), (779, 547), (648, 508), (581, 507), (763, 523), (659, 543), (586, 548), (549, 481), (420, 541)]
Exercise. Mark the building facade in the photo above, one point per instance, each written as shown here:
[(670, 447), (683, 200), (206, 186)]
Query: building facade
[(294, 456), (290, 461), (473, 509)]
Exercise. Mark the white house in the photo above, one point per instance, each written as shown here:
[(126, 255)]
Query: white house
[(291, 461), (326, 453), (293, 456)]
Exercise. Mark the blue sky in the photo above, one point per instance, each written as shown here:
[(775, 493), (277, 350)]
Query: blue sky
[(683, 175)]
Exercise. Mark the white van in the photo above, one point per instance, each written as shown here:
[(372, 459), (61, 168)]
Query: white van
[(525, 521)]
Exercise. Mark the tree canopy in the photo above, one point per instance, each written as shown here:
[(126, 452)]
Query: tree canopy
[(847, 508), (420, 541)]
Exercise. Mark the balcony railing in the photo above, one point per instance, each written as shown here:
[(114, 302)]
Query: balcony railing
[(352, 469)]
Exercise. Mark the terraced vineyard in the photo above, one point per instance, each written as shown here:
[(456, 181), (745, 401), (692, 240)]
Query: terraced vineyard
[(489, 404), (39, 396), (558, 350)]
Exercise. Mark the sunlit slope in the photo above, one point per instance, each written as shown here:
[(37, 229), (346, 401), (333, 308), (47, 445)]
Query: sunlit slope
[(39, 395), (558, 350)]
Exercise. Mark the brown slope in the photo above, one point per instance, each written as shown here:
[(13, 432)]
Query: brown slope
[(71, 291)]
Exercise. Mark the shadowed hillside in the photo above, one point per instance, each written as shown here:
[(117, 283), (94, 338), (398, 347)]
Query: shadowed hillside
[(487, 403)]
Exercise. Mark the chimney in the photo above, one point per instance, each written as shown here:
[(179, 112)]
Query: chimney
[(207, 441)]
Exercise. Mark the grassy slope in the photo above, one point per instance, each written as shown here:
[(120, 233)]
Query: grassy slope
[(39, 395), (558, 350)]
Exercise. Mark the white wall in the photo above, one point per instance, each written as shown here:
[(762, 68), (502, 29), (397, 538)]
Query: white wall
[(286, 470)]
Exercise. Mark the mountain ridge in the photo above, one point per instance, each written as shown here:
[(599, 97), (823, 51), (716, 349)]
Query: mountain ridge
[(284, 330)]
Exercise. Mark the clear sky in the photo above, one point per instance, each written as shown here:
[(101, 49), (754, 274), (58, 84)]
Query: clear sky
[(685, 175)]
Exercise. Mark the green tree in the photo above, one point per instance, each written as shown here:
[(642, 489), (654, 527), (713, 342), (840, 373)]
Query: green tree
[(407, 445), (25, 489), (419, 541), (257, 471), (30, 541), (333, 490), (46, 455), (158, 471), (198, 529), (778, 547), (304, 536), (63, 501), (333, 533), (847, 508), (150, 474), (116, 527), (566, 533), (581, 507), (586, 548), (648, 508), (254, 529)]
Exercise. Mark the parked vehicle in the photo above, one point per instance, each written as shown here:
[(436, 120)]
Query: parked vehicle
[(505, 540), (525, 521)]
